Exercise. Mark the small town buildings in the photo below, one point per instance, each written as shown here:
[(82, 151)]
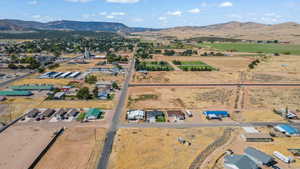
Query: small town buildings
[(48, 113), (287, 130), (256, 137), (216, 114), (134, 115), (104, 85), (59, 95), (33, 113), (2, 98), (239, 162), (15, 93), (103, 95), (32, 87), (93, 114), (72, 113), (60, 114), (260, 158), (155, 116), (175, 116)]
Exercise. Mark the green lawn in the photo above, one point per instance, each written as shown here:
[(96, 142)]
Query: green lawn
[(193, 66), (255, 48)]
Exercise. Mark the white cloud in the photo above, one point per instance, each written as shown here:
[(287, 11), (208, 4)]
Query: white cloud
[(226, 4), (123, 1), (102, 13), (110, 17), (33, 2), (196, 10), (137, 20), (80, 1), (175, 13), (162, 18), (118, 13), (204, 4)]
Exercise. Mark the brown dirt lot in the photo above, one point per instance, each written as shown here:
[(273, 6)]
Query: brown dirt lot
[(182, 97), (77, 104), (20, 145), (77, 148), (159, 148)]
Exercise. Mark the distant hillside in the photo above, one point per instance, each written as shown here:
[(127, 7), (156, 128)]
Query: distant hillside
[(20, 25), (288, 31)]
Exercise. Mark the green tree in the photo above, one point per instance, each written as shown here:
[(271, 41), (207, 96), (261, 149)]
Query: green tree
[(91, 79), (84, 94)]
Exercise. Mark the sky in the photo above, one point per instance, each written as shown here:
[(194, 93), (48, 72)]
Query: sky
[(154, 13)]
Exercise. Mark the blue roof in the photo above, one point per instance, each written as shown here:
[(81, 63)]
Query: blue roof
[(218, 113), (289, 129)]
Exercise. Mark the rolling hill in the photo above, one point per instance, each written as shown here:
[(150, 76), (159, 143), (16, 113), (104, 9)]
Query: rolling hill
[(20, 25)]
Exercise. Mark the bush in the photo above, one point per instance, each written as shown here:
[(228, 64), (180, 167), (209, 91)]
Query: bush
[(91, 79), (84, 94)]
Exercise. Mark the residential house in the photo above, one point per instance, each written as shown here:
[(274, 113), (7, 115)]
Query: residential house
[(134, 115), (33, 113), (288, 130), (256, 137), (59, 95), (152, 116), (175, 116), (93, 114), (216, 114)]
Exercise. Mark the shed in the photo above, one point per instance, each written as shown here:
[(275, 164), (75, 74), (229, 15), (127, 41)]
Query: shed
[(288, 130), (60, 114), (260, 158), (72, 113), (256, 137), (93, 114), (239, 162)]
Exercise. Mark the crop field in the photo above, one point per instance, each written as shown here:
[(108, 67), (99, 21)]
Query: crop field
[(154, 66), (256, 48), (193, 66), (159, 148)]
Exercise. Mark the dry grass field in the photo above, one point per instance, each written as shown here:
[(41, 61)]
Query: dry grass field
[(78, 147), (159, 148), (21, 144), (182, 97)]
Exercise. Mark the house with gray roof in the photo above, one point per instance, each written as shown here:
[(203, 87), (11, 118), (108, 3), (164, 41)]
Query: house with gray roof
[(260, 158), (239, 162)]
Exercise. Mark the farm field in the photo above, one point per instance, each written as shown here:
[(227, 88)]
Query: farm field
[(134, 148), (255, 48), (21, 144), (154, 66), (84, 140), (193, 66)]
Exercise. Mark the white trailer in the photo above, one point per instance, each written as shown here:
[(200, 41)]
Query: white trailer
[(65, 75), (74, 75), (189, 113), (283, 157)]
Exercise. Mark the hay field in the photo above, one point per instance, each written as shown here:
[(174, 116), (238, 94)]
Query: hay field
[(107, 105), (159, 148), (78, 148)]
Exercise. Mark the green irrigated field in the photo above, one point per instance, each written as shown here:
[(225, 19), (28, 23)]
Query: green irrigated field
[(255, 48), (193, 66)]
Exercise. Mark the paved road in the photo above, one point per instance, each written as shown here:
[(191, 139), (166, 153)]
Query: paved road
[(4, 84), (110, 136), (218, 84), (195, 125)]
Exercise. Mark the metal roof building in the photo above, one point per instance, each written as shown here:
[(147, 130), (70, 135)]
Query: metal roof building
[(15, 93), (32, 87), (239, 162), (93, 114), (288, 130), (260, 158)]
